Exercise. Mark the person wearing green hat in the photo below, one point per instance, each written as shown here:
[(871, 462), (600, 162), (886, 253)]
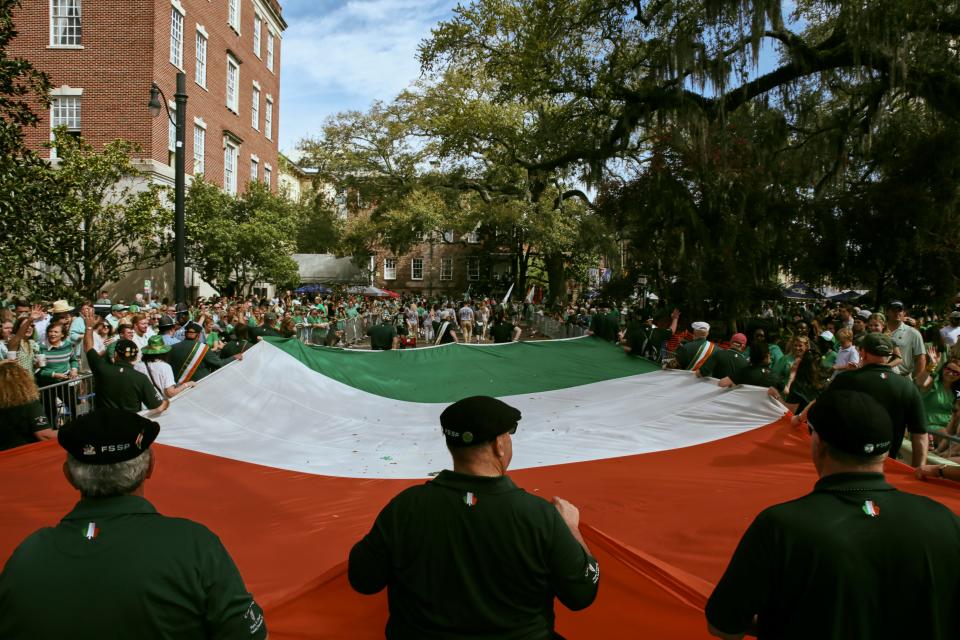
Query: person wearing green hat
[(154, 365)]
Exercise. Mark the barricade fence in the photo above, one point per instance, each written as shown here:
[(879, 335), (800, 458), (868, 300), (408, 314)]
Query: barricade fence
[(67, 400), (554, 328)]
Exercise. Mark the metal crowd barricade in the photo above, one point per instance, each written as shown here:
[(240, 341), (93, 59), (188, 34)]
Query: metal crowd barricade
[(354, 330), (67, 400), (554, 328)]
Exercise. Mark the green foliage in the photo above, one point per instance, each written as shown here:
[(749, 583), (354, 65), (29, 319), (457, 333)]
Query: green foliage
[(92, 221), (235, 242), (20, 86)]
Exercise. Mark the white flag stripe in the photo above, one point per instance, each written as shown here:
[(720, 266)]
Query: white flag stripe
[(272, 410)]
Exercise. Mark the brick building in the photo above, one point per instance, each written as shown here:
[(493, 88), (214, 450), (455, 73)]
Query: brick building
[(102, 57), (445, 263)]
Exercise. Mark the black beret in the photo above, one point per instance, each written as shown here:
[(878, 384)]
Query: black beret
[(165, 322), (851, 421), (107, 436), (127, 349), (476, 420)]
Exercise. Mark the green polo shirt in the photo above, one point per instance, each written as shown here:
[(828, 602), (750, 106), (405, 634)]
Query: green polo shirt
[(381, 336), (133, 574), (724, 363), (472, 557), (823, 567), (898, 395), (761, 376)]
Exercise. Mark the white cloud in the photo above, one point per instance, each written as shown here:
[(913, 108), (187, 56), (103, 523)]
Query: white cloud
[(348, 55)]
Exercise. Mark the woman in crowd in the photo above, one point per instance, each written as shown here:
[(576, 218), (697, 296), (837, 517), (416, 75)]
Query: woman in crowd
[(22, 418), (61, 362), (22, 342), (805, 382), (937, 388), (801, 345)]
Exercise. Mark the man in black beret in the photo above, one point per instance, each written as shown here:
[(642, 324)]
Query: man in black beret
[(469, 554), (192, 359), (114, 567), (855, 558), (897, 394)]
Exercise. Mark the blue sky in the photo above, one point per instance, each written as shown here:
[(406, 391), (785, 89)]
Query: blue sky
[(340, 55)]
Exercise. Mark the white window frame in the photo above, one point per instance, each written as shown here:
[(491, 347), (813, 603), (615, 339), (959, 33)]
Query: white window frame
[(233, 14), (257, 28), (233, 98), (255, 107), (389, 268), (254, 168), (268, 118), (473, 268), (59, 101), (472, 237), (414, 267), (200, 72), (177, 22), (231, 157), (268, 175), (448, 236), (270, 46), (72, 33), (446, 268), (199, 146)]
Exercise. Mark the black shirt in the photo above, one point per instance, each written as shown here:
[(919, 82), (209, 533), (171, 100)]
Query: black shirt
[(472, 557), (381, 336), (233, 347), (898, 395), (447, 336), (823, 567), (724, 363), (19, 423), (759, 376), (502, 332), (121, 386)]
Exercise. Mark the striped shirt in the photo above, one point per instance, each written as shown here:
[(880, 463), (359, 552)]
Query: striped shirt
[(59, 359)]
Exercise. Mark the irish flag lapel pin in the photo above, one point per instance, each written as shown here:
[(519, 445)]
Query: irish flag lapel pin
[(92, 531), (470, 499), (871, 509)]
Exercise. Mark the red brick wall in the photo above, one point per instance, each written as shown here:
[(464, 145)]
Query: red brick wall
[(432, 257), (126, 46)]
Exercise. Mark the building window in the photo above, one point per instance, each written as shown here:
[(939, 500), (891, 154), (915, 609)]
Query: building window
[(270, 50), (172, 134), (448, 236), (389, 268), (254, 169), (199, 148), (416, 269), (230, 155), (255, 112), (446, 268), (233, 84), (233, 14), (65, 112), (473, 268), (257, 27), (268, 119), (65, 23), (201, 60), (176, 38), (267, 174), (472, 238)]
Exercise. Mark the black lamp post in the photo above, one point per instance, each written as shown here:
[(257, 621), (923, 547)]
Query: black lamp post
[(179, 226)]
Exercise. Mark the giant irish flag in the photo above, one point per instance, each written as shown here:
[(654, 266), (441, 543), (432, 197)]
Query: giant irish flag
[(290, 454)]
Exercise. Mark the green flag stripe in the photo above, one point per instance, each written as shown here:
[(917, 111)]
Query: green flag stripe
[(446, 374)]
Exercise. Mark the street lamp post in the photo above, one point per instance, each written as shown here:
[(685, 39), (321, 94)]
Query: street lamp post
[(179, 225)]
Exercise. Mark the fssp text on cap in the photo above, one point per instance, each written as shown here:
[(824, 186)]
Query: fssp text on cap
[(107, 436), (851, 421), (476, 420)]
